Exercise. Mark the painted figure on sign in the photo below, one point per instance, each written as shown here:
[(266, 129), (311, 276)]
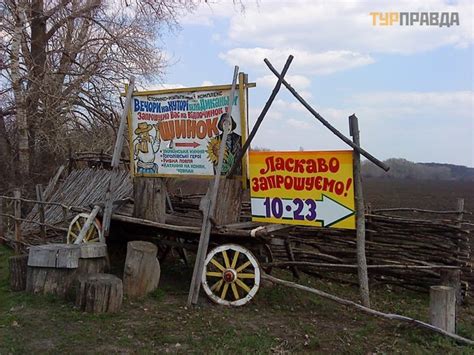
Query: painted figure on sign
[(145, 148), (233, 146)]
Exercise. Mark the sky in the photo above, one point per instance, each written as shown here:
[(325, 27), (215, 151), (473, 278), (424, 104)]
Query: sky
[(410, 86)]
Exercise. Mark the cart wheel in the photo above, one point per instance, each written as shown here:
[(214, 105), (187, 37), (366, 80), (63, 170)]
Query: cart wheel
[(233, 267), (94, 234)]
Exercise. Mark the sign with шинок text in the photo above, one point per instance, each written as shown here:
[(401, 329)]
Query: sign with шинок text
[(178, 132), (303, 188)]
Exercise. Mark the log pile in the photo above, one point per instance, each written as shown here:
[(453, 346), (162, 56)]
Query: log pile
[(390, 241)]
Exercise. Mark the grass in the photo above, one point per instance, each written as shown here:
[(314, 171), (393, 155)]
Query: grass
[(277, 320)]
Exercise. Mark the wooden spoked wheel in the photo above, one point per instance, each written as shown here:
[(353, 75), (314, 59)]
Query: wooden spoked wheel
[(93, 234), (231, 275)]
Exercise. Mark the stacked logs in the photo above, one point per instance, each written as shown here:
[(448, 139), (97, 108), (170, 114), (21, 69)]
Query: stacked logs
[(390, 241)]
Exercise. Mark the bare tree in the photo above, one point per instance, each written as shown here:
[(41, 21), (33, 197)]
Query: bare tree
[(63, 64)]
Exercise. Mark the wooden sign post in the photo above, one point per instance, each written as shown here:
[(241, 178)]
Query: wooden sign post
[(208, 210), (360, 216)]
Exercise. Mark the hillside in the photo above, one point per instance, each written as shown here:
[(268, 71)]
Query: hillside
[(405, 169)]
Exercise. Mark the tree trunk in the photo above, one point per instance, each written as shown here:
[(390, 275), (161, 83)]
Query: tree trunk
[(18, 269), (142, 270), (99, 293), (20, 115), (229, 203), (149, 199)]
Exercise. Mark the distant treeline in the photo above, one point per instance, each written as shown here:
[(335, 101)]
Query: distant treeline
[(404, 169)]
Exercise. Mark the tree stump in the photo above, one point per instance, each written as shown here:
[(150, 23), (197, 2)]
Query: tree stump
[(149, 199), (228, 205), (142, 270), (93, 258), (52, 269), (18, 268), (99, 293), (443, 308)]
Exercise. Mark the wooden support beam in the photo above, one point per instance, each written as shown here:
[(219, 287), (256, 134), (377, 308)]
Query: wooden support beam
[(39, 197), (208, 208), (116, 160), (346, 140), (360, 218)]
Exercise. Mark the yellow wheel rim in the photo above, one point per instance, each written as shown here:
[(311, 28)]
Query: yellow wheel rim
[(231, 275), (93, 234)]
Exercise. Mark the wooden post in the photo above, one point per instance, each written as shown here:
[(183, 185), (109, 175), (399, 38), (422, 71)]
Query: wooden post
[(229, 203), (17, 209), (360, 217), (443, 308), (2, 226), (18, 267), (116, 160), (460, 208), (209, 205), (149, 197), (452, 278), (39, 197)]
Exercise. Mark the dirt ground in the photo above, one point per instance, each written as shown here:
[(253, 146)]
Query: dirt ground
[(428, 194)]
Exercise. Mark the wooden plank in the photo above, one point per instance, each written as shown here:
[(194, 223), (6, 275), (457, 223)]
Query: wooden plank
[(326, 123), (243, 124), (60, 256), (360, 218), (116, 160), (52, 183), (208, 214), (40, 206), (17, 209)]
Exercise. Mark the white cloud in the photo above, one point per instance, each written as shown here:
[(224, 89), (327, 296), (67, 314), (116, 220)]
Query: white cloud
[(299, 82), (305, 62), (448, 105), (207, 83), (324, 26), (162, 86), (419, 126)]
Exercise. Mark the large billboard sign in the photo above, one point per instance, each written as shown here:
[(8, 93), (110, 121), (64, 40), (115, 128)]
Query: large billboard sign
[(178, 132), (303, 188)]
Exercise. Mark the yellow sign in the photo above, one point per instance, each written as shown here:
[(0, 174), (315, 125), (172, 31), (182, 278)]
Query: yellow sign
[(303, 188)]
